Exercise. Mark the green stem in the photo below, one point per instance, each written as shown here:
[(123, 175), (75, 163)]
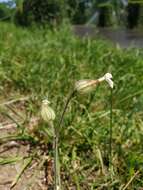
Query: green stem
[(57, 184), (110, 132), (76, 181), (65, 108)]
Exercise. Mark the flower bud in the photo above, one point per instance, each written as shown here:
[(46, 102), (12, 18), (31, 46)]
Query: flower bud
[(85, 86), (47, 112)]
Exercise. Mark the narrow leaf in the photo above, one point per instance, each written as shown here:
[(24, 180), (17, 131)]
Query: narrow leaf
[(27, 162)]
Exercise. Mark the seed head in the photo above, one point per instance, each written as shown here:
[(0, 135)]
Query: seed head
[(47, 112)]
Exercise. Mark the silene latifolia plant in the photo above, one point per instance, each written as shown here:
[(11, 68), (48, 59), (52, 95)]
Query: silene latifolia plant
[(48, 115)]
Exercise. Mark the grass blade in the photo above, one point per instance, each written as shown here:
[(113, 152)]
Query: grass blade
[(9, 160), (27, 162)]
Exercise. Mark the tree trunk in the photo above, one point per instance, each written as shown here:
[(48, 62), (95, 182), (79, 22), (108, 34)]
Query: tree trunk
[(133, 12), (105, 16)]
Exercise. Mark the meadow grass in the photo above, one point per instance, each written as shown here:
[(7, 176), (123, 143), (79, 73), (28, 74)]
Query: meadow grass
[(41, 62)]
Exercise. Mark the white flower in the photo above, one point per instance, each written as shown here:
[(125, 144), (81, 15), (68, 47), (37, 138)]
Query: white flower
[(47, 112), (85, 86), (108, 78)]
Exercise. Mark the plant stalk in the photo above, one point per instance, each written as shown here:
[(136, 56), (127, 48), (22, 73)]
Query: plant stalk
[(57, 183), (110, 132), (65, 108)]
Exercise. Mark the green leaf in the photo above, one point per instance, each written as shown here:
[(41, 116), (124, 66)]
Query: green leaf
[(9, 160), (27, 162)]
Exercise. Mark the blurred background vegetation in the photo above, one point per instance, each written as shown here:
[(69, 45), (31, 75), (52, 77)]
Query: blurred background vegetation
[(101, 12)]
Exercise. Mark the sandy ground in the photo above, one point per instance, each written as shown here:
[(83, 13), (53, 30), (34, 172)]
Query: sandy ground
[(9, 171), (15, 149)]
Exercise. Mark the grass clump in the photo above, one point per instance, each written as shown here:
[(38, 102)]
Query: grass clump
[(40, 62)]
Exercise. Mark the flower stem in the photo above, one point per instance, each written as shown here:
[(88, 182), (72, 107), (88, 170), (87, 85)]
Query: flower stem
[(110, 132), (65, 108), (57, 184)]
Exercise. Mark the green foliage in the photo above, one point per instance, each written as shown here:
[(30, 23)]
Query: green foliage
[(52, 12), (43, 12), (47, 63), (5, 12), (77, 11)]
